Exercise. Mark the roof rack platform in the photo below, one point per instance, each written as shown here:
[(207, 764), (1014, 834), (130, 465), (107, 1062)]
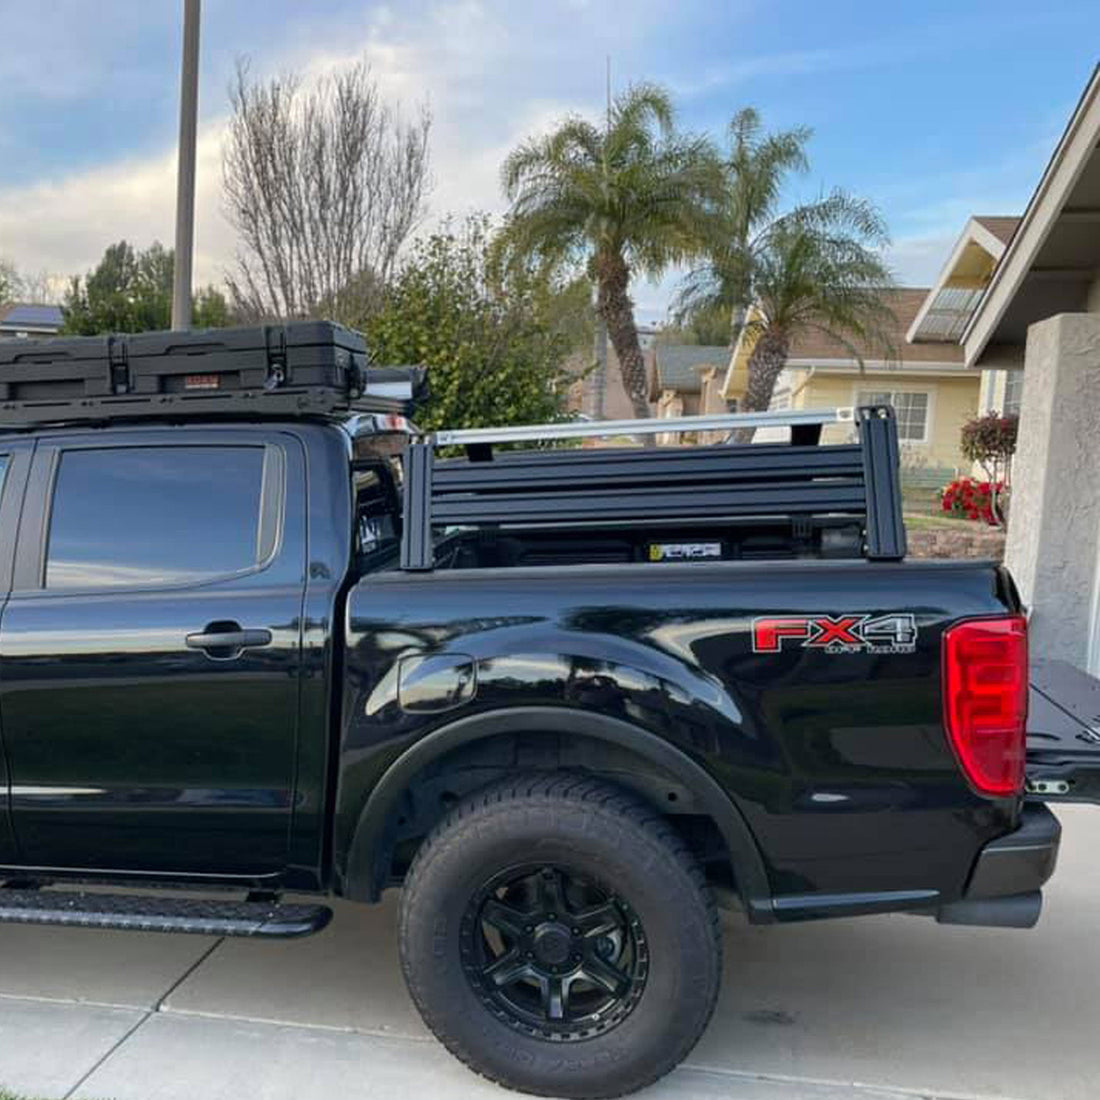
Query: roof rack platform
[(303, 368)]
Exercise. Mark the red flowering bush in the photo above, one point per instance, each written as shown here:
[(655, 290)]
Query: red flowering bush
[(976, 500)]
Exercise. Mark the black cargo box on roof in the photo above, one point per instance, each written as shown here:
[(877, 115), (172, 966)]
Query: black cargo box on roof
[(297, 369)]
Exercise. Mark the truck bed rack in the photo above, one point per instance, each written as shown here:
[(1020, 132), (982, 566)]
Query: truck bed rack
[(804, 482)]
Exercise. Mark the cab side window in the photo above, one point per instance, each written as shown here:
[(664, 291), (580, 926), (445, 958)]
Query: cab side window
[(149, 516)]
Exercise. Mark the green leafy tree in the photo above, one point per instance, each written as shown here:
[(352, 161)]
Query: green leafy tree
[(708, 327), (772, 274), (495, 341), (625, 199), (131, 291)]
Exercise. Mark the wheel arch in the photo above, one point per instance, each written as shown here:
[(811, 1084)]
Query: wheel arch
[(370, 852)]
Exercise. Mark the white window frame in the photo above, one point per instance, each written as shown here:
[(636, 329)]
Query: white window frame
[(1010, 375), (893, 388)]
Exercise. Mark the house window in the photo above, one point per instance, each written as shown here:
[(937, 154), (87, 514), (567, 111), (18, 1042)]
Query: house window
[(911, 408), (1014, 391)]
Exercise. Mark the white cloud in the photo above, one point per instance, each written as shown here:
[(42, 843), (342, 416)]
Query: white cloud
[(453, 60), (62, 226)]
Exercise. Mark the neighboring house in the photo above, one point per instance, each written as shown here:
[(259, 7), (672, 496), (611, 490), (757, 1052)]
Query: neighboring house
[(932, 391), (951, 302), (1041, 311), (29, 320), (600, 393), (686, 380)]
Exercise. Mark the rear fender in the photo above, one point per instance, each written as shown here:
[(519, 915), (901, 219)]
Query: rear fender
[(369, 854)]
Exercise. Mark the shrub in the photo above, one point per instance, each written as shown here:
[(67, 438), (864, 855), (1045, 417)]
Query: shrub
[(976, 500), (990, 441)]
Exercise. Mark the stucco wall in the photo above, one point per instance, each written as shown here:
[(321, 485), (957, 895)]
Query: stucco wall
[(953, 401), (1054, 525)]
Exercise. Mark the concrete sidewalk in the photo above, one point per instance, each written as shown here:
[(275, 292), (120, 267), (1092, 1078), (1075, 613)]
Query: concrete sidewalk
[(870, 1009)]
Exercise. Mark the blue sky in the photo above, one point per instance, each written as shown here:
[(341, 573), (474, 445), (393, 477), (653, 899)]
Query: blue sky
[(933, 110)]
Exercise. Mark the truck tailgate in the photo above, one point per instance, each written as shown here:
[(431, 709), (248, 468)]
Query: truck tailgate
[(1063, 739)]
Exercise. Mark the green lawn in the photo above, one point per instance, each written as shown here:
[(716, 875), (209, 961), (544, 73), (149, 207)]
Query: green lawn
[(917, 521)]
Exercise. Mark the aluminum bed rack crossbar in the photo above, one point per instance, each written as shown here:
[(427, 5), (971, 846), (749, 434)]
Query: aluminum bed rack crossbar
[(587, 429)]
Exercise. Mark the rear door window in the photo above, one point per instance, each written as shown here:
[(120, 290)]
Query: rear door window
[(150, 516)]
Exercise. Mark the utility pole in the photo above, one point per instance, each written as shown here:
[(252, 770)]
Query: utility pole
[(185, 180), (599, 402)]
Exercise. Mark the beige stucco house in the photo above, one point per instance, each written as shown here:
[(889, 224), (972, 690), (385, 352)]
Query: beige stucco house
[(929, 386), (950, 304), (1041, 312), (686, 380)]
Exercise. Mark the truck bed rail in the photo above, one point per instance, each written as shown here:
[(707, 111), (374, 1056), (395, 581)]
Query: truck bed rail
[(802, 482)]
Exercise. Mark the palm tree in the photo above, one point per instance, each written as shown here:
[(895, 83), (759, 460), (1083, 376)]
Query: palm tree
[(814, 274), (630, 198), (755, 169), (817, 266)]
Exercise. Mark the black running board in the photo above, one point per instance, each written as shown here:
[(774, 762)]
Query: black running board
[(137, 913)]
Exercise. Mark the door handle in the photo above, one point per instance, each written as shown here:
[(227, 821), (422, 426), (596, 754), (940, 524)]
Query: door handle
[(228, 638)]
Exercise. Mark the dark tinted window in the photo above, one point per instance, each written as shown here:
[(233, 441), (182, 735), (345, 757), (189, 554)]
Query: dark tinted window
[(154, 515), (3, 470)]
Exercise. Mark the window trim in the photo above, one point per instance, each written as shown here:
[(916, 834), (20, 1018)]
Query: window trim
[(1011, 376), (895, 388), (32, 549), (18, 453)]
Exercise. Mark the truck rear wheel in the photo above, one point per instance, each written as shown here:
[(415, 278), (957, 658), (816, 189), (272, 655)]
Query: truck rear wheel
[(559, 938)]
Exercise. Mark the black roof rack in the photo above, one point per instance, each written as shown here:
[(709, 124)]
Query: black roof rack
[(303, 368), (732, 483)]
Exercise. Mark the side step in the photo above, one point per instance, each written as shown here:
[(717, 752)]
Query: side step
[(136, 913)]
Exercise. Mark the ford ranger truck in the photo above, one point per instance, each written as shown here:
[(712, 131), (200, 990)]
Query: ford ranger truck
[(258, 641)]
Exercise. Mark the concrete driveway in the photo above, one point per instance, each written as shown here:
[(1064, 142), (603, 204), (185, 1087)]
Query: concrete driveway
[(868, 1009)]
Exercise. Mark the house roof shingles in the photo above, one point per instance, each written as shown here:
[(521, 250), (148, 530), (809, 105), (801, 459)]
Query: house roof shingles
[(905, 302), (678, 365), (1001, 226)]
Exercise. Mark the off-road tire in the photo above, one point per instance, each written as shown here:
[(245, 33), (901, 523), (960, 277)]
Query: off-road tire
[(606, 836)]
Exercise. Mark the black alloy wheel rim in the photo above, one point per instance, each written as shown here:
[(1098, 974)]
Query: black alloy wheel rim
[(552, 953)]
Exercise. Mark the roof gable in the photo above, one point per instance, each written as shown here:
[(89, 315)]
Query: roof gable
[(1053, 254), (678, 365), (1000, 225), (950, 303)]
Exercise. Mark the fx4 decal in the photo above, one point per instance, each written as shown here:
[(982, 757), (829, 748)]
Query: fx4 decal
[(835, 633)]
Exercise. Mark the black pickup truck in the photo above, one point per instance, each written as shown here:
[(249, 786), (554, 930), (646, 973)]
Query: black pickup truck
[(259, 636)]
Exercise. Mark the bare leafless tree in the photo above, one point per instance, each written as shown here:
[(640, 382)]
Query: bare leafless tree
[(324, 183), (11, 282)]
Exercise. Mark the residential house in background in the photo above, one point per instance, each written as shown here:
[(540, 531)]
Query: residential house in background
[(958, 290), (21, 320), (686, 380), (928, 385), (1041, 311), (600, 394)]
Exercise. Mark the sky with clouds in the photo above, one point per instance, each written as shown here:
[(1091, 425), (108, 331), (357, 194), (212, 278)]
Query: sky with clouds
[(934, 110)]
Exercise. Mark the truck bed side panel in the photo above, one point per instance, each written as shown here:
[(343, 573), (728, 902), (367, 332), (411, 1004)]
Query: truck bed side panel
[(836, 758)]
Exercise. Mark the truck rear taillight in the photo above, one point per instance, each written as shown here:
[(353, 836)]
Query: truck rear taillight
[(985, 682)]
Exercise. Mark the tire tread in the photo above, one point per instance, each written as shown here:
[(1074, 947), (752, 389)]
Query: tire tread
[(629, 813)]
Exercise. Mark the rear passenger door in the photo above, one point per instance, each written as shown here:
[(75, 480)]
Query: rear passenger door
[(15, 458), (149, 651)]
